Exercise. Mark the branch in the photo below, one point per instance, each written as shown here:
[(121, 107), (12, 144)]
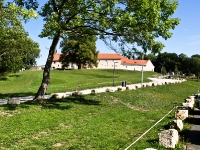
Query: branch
[(54, 6), (96, 29), (70, 18), (3, 53)]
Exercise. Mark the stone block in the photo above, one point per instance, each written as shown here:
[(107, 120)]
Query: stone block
[(166, 82), (14, 101), (85, 92), (181, 114), (99, 90), (150, 149), (111, 89), (176, 124), (168, 138), (154, 84), (121, 88), (102, 90), (191, 97), (144, 84), (188, 100), (138, 85), (61, 95), (188, 105), (77, 93), (130, 87), (173, 82)]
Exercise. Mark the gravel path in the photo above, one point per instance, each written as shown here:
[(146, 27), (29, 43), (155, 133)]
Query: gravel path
[(21, 99), (194, 134)]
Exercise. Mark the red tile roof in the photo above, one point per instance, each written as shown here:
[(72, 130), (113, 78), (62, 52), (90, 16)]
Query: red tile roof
[(109, 56), (124, 60), (56, 57), (127, 61)]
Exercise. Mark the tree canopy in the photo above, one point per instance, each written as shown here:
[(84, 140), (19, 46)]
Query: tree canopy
[(125, 22), (17, 50), (181, 64), (79, 50)]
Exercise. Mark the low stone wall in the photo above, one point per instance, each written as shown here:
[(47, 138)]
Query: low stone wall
[(169, 138)]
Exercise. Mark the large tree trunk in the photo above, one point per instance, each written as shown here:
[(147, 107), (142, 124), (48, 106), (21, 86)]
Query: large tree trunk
[(46, 74), (79, 66)]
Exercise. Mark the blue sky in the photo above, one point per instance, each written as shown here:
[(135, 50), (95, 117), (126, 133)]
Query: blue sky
[(185, 39)]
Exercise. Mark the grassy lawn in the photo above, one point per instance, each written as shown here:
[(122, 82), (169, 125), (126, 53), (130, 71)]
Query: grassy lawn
[(28, 82), (107, 121)]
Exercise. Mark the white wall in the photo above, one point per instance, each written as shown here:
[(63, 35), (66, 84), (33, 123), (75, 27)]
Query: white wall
[(109, 64), (56, 65), (132, 67), (149, 66)]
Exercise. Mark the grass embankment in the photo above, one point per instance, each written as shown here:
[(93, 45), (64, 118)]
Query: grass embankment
[(103, 121), (28, 82)]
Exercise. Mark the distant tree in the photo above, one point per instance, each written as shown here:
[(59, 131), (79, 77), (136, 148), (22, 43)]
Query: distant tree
[(20, 55), (169, 60), (184, 63), (150, 56), (196, 66), (17, 50), (175, 70), (79, 50), (195, 56), (164, 71)]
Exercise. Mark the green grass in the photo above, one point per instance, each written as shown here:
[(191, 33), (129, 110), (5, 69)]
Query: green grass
[(107, 121), (28, 82)]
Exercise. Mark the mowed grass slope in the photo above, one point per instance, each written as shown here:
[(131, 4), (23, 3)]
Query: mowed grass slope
[(93, 122), (28, 82)]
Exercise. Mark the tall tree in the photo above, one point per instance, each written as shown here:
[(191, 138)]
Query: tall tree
[(169, 60), (79, 50), (195, 66), (17, 50), (151, 57), (195, 56), (20, 53), (122, 21), (184, 63), (163, 70)]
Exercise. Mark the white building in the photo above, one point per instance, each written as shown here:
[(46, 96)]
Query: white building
[(109, 61)]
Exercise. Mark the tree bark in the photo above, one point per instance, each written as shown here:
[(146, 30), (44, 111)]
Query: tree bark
[(46, 74), (79, 66)]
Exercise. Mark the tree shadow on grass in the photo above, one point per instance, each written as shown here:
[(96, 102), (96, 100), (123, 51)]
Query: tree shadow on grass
[(9, 95), (52, 103), (154, 142), (14, 75), (81, 100), (66, 103)]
